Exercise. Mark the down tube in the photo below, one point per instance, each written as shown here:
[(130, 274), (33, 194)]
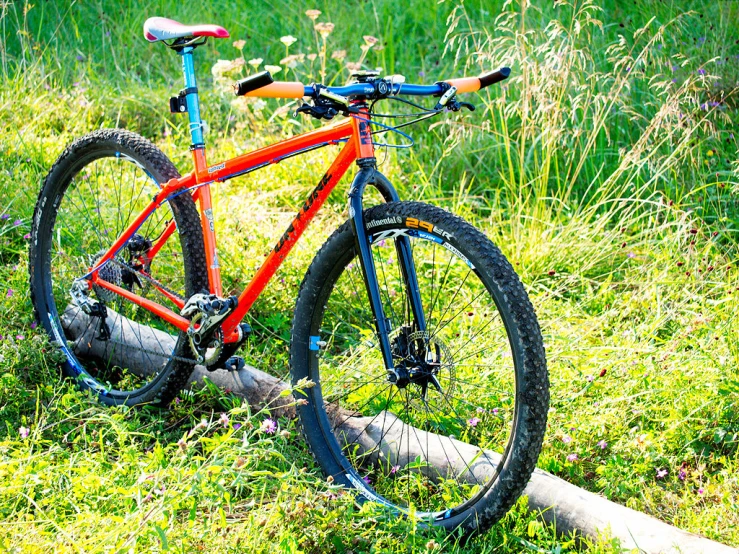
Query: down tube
[(312, 204)]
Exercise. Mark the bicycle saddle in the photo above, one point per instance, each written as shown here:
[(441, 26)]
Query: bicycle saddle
[(161, 28)]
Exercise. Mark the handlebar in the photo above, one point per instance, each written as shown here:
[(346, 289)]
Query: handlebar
[(261, 85)]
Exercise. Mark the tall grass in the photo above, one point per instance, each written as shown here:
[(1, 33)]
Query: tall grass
[(605, 168)]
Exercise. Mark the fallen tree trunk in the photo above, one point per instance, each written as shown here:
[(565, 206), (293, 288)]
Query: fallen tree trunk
[(570, 508)]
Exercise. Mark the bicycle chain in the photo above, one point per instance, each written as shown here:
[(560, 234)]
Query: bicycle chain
[(148, 278), (158, 354), (157, 284)]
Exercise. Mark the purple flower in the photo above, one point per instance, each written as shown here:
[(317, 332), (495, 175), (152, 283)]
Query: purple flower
[(5, 217), (34, 325), (701, 491), (269, 426), (23, 432), (224, 419), (421, 73), (701, 72), (27, 236), (17, 222), (661, 473), (631, 255), (682, 475), (80, 57), (495, 411), (480, 410), (366, 479), (567, 439), (572, 457), (603, 445), (11, 292), (237, 426), (381, 243), (20, 337), (675, 67), (472, 422), (394, 470)]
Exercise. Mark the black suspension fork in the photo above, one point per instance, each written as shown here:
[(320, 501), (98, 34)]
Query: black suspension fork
[(369, 175)]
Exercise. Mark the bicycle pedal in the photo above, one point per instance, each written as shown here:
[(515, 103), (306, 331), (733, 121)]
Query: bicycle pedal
[(234, 363)]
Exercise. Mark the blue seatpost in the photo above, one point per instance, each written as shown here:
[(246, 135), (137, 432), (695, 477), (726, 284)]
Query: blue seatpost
[(191, 96)]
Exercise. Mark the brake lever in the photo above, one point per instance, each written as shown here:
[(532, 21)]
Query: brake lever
[(455, 105)]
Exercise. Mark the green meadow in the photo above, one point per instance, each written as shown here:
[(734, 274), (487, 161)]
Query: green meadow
[(605, 168)]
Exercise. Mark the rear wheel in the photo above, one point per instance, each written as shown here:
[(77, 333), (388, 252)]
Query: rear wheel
[(93, 192), (456, 442)]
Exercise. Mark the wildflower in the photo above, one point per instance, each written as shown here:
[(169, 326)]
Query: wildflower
[(182, 443), (80, 57), (27, 236), (33, 325), (589, 378), (239, 44), (237, 426), (285, 434), (701, 491), (572, 457), (313, 14), (603, 445), (631, 255), (324, 29), (682, 475), (23, 432), (567, 439), (288, 40), (338, 55), (661, 473), (268, 426), (11, 292), (5, 217), (472, 422), (366, 479), (224, 419), (370, 40), (273, 68), (312, 57), (394, 470), (17, 222), (255, 62), (495, 411), (432, 544), (701, 72), (480, 409), (202, 425), (20, 337)]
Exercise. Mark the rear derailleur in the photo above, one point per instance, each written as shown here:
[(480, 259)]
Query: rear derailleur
[(206, 313)]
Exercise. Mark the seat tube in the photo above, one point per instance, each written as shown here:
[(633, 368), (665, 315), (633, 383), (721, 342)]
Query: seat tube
[(198, 152)]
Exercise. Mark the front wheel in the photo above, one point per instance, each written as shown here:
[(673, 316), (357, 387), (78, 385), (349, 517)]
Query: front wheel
[(456, 441)]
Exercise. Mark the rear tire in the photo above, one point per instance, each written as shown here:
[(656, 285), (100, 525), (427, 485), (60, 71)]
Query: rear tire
[(332, 337), (93, 191)]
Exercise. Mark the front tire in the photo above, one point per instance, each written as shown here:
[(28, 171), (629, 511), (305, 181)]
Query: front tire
[(493, 385)]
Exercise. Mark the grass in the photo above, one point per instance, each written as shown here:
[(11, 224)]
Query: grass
[(611, 188)]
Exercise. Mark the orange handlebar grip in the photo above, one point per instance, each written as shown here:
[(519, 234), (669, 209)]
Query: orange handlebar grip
[(279, 89), (465, 84)]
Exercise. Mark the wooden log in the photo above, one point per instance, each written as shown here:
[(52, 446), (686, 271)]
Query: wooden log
[(570, 508)]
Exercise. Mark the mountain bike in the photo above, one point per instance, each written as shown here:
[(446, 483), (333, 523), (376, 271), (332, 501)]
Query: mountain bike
[(423, 378)]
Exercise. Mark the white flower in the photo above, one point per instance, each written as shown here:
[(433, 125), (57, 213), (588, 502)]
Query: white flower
[(288, 40), (255, 62), (273, 68)]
